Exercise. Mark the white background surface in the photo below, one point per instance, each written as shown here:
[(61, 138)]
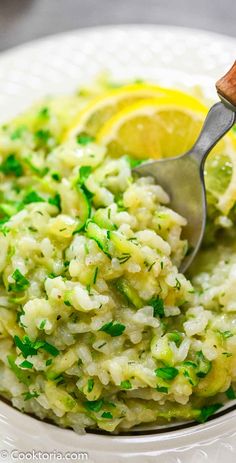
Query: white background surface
[(23, 20)]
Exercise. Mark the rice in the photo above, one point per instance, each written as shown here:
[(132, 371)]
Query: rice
[(97, 326)]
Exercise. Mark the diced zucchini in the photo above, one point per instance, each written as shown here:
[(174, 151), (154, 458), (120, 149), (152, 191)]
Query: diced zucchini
[(125, 247), (84, 207), (178, 412), (189, 372), (61, 399), (100, 236), (216, 380), (101, 218), (62, 363), (129, 293), (161, 350), (204, 365), (21, 375)]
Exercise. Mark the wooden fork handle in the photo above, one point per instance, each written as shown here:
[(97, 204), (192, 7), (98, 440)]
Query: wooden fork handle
[(226, 86)]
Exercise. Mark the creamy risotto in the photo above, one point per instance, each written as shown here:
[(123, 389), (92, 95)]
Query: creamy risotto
[(98, 328)]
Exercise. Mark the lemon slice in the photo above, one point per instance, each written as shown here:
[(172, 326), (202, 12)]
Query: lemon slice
[(154, 128), (101, 108), (220, 173), (169, 126)]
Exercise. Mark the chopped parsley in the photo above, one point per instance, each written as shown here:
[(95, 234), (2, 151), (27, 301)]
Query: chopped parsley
[(48, 362), (55, 176), (94, 405), (176, 337), (124, 257), (162, 389), (43, 136), (68, 303), (42, 324), (113, 328), (84, 173), (11, 166), (32, 197), (95, 275), (150, 266), (4, 230), (50, 349), (134, 162), (44, 113), (21, 283), (30, 395), (230, 393), (177, 284), (166, 372), (226, 334), (52, 275), (17, 134), (30, 348), (26, 364), (90, 384), (158, 306), (189, 363), (84, 139), (56, 201), (126, 384), (207, 411), (107, 415)]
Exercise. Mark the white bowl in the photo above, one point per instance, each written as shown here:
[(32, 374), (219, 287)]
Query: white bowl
[(172, 57)]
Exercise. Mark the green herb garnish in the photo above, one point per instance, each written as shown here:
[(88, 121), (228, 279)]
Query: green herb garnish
[(107, 415), (226, 334), (94, 405), (162, 389), (158, 306), (176, 337), (95, 275), (43, 136), (21, 283), (84, 173), (84, 139), (177, 284), (124, 257), (11, 166), (29, 348), (90, 384), (113, 328), (30, 395), (44, 112), (126, 384), (32, 197), (26, 364), (68, 303), (166, 372), (42, 324), (55, 201), (56, 176), (230, 393), (17, 134), (207, 411)]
